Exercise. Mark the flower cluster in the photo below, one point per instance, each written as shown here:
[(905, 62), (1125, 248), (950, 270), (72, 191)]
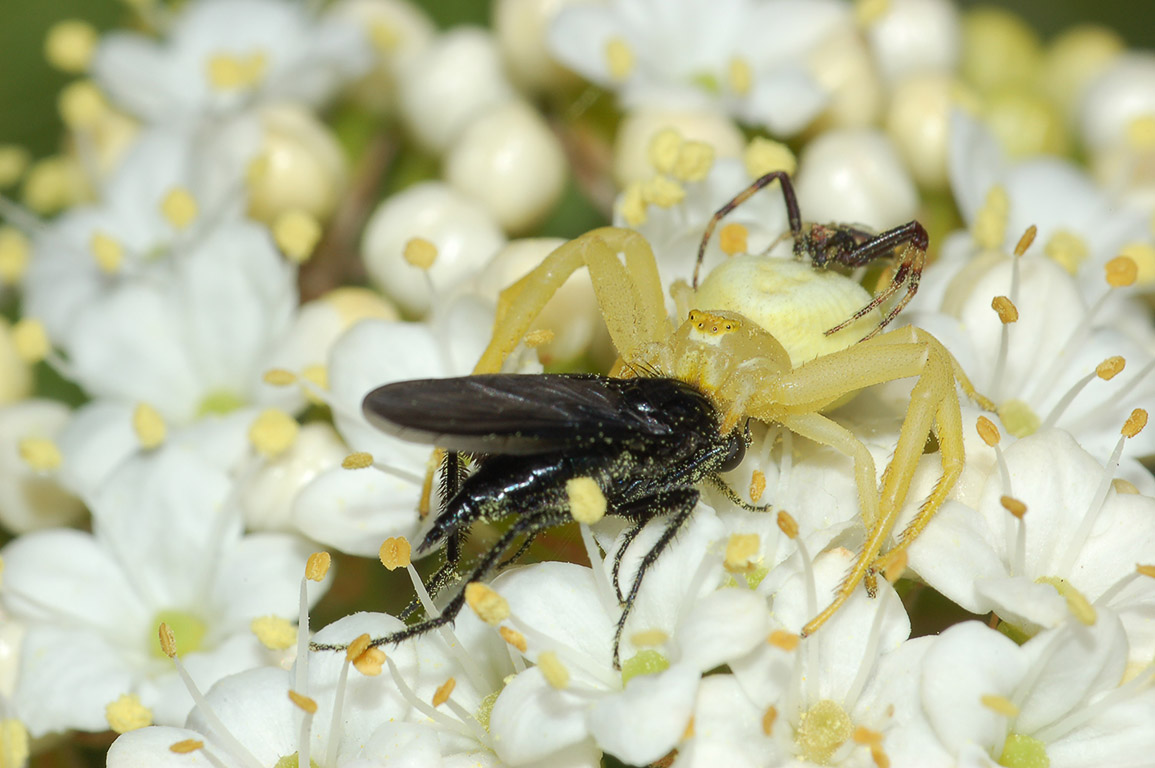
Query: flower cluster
[(264, 209)]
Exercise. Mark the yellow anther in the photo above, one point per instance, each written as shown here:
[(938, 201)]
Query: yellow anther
[(384, 36), (186, 747), (296, 234), (1146, 570), (757, 485), (14, 251), (167, 640), (1124, 486), (1077, 603), (1006, 309), (663, 149), (633, 205), (489, 606), (619, 58), (395, 552), (420, 253), (443, 692), (535, 339), (126, 714), (1135, 423), (13, 743), (370, 663), (867, 12), (107, 252), (787, 524), (1026, 239), (741, 549), (783, 640), (1019, 418), (40, 453), (1143, 254), (14, 161), (739, 76), (1014, 506), (663, 192), (357, 460), (229, 72), (762, 156), (734, 238), (274, 632), (279, 377), (695, 159), (649, 638), (587, 503), (990, 226), (317, 375), (179, 208), (30, 340), (553, 670), (1122, 271), (52, 183), (257, 169), (273, 432), (987, 431), (1068, 250), (768, 718), (69, 45), (688, 731), (1000, 705), (149, 426), (317, 566), (866, 736), (81, 104), (1110, 368), (513, 637), (303, 702), (1141, 133), (359, 645)]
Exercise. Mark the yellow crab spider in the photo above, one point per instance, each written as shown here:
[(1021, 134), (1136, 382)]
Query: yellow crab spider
[(747, 373)]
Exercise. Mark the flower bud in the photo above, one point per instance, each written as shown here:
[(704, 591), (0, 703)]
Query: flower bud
[(520, 27), (299, 166), (509, 160), (918, 122), (916, 37), (399, 31)]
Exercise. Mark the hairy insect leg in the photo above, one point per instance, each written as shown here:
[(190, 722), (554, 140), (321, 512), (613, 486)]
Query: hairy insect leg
[(733, 496), (680, 504), (792, 213), (913, 240), (630, 296), (638, 513)]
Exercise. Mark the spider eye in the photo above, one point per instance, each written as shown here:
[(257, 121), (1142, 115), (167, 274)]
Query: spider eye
[(736, 454)]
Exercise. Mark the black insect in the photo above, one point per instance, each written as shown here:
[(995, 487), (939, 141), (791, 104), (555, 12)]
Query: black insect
[(645, 441), (841, 245)]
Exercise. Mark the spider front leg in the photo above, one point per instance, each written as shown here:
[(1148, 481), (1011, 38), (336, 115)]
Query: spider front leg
[(629, 295), (912, 238)]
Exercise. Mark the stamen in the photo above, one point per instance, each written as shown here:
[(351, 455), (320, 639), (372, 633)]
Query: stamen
[(741, 549), (763, 156), (1000, 705), (395, 552), (1017, 509), (734, 238), (219, 729), (633, 205), (40, 453), (309, 707), (437, 716), (81, 105), (757, 485), (663, 192), (740, 76), (540, 337), (1067, 249), (31, 340), (420, 253), (1121, 272), (273, 432), (553, 670), (990, 225), (149, 426), (489, 606), (663, 150), (107, 252), (296, 234), (619, 58), (587, 503), (14, 255), (274, 632), (606, 594), (786, 641), (186, 747), (317, 566), (444, 691), (1134, 424), (768, 719), (695, 159), (127, 714), (1008, 313), (1105, 370), (338, 705), (513, 637), (179, 208), (70, 45)]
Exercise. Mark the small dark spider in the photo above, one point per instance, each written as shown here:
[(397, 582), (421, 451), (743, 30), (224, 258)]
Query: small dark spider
[(826, 245), (644, 441)]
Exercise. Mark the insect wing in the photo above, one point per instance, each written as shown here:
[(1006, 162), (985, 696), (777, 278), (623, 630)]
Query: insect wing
[(514, 413)]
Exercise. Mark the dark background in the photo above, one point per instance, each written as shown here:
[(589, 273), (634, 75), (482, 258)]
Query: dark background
[(28, 86)]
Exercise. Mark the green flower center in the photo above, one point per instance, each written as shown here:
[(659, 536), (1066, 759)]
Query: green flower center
[(189, 631), (1018, 418), (1022, 751), (647, 662), (822, 729), (219, 403)]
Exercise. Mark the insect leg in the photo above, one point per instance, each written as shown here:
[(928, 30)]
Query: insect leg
[(792, 213), (913, 239), (680, 503), (733, 496)]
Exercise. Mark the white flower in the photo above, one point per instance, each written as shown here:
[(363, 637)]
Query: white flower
[(1078, 543), (1056, 700), (223, 56), (746, 58), (681, 625), (166, 546), (30, 499)]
